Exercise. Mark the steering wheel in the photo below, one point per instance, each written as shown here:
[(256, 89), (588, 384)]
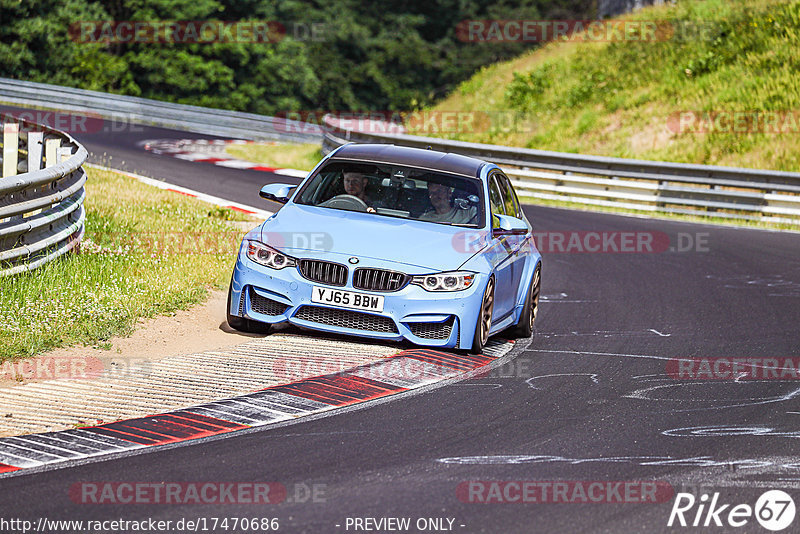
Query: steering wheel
[(346, 202), (464, 204)]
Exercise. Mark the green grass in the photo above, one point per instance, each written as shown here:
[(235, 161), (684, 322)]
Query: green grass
[(616, 98), (283, 156), (146, 252)]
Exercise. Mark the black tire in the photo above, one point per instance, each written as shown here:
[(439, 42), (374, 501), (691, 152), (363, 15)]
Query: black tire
[(484, 319), (242, 324), (524, 327)]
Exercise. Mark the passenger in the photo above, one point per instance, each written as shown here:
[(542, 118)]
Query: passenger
[(442, 211)]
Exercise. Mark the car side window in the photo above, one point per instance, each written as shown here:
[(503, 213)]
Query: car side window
[(510, 197), (496, 200)]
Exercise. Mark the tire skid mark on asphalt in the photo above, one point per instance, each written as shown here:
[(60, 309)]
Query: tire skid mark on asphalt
[(611, 354), (606, 333), (591, 376), (409, 369), (698, 471), (663, 382), (730, 430)]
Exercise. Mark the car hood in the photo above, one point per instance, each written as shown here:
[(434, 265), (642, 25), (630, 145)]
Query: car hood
[(313, 232)]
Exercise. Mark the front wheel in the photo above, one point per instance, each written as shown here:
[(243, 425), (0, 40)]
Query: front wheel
[(243, 324), (484, 323), (525, 326)]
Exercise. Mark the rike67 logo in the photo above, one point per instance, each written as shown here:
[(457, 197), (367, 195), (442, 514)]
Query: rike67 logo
[(774, 510)]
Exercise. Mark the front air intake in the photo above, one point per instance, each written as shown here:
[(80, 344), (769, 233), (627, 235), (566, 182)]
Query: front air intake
[(379, 280), (324, 272)]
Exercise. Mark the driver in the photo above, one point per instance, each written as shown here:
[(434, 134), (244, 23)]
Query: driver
[(355, 183), (442, 211)]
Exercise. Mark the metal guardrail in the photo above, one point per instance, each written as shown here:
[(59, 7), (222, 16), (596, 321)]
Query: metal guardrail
[(648, 186), (223, 123), (41, 209)]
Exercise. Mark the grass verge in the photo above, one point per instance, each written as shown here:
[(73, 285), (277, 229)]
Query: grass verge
[(303, 156), (673, 98), (146, 252), (627, 98)]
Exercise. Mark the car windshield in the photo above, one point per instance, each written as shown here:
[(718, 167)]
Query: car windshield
[(396, 191)]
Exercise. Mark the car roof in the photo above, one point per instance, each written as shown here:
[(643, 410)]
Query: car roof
[(411, 157)]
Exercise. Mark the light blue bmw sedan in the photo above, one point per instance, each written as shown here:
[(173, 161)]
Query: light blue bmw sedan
[(392, 243)]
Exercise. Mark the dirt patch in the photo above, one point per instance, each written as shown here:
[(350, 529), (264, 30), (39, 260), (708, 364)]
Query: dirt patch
[(169, 363), (201, 328), (656, 136), (614, 123)]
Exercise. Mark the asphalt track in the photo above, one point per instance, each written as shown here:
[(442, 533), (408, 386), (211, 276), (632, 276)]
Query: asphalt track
[(588, 399)]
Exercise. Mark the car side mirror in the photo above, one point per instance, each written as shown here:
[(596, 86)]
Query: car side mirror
[(277, 192), (509, 226)]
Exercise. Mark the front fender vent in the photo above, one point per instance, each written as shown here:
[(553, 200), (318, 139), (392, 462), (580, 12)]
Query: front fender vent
[(432, 330), (264, 305)]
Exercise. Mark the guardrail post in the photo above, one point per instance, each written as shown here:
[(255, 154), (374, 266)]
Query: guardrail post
[(51, 147), (41, 216), (35, 151), (10, 148), (35, 140)]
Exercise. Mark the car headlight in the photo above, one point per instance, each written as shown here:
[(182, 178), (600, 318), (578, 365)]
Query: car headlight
[(449, 281), (268, 256)]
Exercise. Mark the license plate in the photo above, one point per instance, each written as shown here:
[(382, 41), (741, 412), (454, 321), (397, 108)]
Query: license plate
[(347, 299)]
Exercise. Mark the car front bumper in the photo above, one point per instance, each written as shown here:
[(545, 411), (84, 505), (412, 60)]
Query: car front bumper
[(436, 319)]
